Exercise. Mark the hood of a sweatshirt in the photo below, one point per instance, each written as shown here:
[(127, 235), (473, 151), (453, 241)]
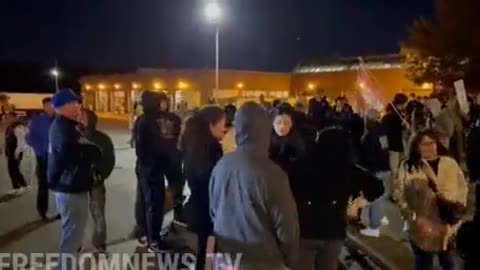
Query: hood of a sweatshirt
[(92, 123), (253, 127), (151, 102)]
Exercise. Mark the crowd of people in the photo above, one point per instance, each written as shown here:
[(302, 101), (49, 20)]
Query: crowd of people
[(271, 182)]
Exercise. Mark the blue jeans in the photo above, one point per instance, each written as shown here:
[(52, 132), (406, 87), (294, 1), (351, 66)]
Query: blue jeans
[(424, 260), (97, 210), (73, 209), (375, 211)]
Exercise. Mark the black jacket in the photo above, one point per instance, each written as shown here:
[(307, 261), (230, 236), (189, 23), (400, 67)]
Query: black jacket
[(106, 164), (392, 124), (374, 155), (288, 152), (198, 165), (473, 148), (156, 136), (11, 140), (71, 158), (330, 179)]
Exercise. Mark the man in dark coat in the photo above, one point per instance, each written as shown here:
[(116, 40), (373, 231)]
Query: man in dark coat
[(71, 173), (103, 169), (156, 139), (394, 124), (323, 192)]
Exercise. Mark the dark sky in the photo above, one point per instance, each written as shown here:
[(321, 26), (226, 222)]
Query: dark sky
[(256, 34)]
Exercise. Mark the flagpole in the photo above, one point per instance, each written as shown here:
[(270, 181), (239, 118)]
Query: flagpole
[(362, 64)]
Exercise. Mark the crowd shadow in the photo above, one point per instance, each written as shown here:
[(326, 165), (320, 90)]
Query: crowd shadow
[(8, 197), (20, 232)]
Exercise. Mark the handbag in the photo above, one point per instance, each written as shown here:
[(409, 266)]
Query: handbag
[(450, 212)]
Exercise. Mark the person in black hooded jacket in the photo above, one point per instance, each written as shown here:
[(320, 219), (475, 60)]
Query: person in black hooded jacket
[(156, 138), (103, 167), (201, 151), (322, 195), (287, 146)]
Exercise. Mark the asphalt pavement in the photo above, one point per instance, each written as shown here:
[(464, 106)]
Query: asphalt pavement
[(22, 230)]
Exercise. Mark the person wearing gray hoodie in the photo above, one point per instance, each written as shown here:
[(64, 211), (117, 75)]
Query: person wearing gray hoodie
[(251, 204)]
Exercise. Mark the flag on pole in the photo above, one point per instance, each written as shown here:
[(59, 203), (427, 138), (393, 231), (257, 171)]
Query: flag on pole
[(369, 93)]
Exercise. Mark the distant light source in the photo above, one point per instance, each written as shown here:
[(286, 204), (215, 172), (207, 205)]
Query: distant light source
[(213, 12), (311, 86), (182, 85), (117, 86), (88, 87), (101, 86), (361, 84), (157, 86), (55, 72), (135, 85), (240, 85), (427, 86)]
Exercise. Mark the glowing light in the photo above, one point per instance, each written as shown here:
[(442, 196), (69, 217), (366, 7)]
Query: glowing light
[(101, 86), (427, 86), (182, 85), (361, 84), (213, 12), (54, 72), (88, 87), (311, 86), (157, 86), (117, 86), (135, 85), (240, 85)]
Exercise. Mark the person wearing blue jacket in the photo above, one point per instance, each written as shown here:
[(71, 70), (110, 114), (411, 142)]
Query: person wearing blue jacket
[(71, 171), (37, 138)]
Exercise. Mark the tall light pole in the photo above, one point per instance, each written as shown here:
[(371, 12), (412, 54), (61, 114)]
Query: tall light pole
[(213, 12), (55, 74)]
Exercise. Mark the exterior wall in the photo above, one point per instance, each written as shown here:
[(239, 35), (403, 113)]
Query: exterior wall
[(117, 92), (336, 83)]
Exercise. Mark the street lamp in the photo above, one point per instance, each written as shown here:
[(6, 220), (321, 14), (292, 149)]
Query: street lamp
[(213, 13), (55, 74)]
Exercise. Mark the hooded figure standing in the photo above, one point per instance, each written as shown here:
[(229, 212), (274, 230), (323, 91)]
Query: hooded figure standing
[(251, 204), (156, 139), (103, 169)]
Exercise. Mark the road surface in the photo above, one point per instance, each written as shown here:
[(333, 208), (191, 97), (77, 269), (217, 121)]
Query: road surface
[(22, 231)]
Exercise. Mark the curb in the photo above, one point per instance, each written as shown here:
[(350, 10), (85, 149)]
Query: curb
[(376, 257)]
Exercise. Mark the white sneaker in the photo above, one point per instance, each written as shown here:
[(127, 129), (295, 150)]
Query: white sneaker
[(384, 221), (21, 190), (371, 232)]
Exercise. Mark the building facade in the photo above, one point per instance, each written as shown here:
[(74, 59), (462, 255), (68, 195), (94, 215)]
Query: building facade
[(188, 88), (192, 88)]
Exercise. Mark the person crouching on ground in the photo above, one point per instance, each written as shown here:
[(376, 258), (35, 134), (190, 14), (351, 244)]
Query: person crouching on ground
[(15, 145), (251, 204), (71, 159), (374, 157), (432, 198), (37, 138), (201, 151), (331, 178), (103, 169)]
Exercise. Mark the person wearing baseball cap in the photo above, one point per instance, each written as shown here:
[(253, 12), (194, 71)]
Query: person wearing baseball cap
[(71, 159)]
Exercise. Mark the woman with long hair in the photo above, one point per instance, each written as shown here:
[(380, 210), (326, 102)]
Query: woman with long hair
[(201, 151), (432, 194), (287, 146)]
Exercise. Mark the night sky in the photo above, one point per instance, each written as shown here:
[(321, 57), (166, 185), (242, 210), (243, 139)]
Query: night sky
[(255, 34)]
